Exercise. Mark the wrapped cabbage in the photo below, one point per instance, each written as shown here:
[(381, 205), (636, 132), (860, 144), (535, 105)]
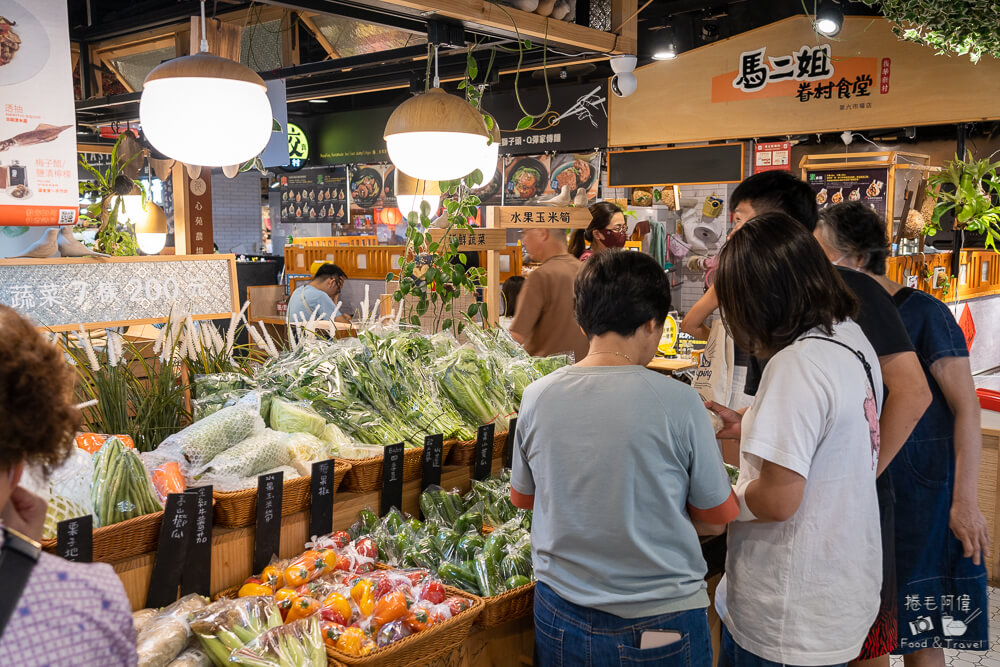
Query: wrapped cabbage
[(303, 449), (295, 418), (251, 457), (202, 441)]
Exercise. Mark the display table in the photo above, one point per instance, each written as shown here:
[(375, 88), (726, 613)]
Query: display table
[(664, 365), (989, 489)]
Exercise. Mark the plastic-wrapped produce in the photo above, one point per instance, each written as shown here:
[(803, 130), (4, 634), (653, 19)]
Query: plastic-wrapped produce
[(121, 488), (200, 442), (249, 458), (228, 625), (163, 635), (292, 417), (297, 644)]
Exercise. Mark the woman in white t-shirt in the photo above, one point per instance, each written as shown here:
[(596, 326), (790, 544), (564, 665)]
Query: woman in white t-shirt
[(803, 570)]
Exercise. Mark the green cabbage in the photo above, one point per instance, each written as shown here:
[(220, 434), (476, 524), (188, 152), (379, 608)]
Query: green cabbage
[(295, 418)]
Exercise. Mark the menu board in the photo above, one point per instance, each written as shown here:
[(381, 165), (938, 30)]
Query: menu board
[(371, 185), (314, 195), (38, 178), (533, 179), (834, 186)]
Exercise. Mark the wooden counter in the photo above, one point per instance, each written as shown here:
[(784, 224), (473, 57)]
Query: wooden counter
[(665, 365), (989, 489)]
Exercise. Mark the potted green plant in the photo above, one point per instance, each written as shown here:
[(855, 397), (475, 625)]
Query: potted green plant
[(967, 188), (115, 236)]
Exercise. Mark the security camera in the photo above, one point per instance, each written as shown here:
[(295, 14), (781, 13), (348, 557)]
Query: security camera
[(624, 84), (622, 64)]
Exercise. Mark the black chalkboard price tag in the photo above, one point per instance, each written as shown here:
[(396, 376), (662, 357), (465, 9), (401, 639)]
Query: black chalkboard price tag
[(75, 539), (508, 445), (321, 505), (484, 452), (197, 576), (392, 478), (176, 531), (433, 453), (267, 536)]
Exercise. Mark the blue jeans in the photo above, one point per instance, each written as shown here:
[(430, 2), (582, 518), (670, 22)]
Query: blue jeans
[(733, 655), (568, 634)]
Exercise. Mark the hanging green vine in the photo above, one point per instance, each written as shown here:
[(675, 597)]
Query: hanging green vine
[(964, 27), (114, 237)]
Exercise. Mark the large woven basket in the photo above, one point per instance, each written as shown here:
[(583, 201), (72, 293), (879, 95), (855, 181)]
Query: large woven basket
[(463, 452), (132, 537), (237, 509), (422, 647), (507, 607), (366, 474)]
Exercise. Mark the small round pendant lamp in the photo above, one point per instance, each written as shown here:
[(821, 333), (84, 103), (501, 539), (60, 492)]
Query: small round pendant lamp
[(435, 136), (412, 192), (151, 229), (491, 155)]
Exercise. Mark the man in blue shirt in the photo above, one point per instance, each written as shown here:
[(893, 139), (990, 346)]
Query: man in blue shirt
[(323, 291)]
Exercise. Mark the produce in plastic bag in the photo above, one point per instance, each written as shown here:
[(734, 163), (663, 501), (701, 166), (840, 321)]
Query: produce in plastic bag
[(192, 656), (297, 644), (202, 441), (303, 450), (167, 478), (546, 365), (249, 458), (164, 634), (335, 439), (227, 625), (470, 383), (295, 418), (121, 488), (229, 483)]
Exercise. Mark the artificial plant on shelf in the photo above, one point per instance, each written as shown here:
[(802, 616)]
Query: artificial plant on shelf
[(114, 236), (968, 188), (967, 27), (434, 273)]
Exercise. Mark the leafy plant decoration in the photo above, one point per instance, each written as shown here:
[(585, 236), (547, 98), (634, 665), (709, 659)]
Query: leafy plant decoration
[(968, 188), (964, 27)]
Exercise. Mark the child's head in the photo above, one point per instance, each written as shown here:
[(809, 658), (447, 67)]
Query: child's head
[(511, 288)]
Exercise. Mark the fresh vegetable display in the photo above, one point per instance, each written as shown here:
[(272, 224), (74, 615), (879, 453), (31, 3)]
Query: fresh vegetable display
[(120, 488), (164, 635), (297, 644), (226, 625)]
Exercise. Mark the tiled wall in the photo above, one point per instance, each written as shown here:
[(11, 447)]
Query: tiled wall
[(236, 212)]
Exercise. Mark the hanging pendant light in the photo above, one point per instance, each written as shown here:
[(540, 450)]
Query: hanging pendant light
[(412, 192), (151, 229), (435, 136), (205, 110), (491, 155)]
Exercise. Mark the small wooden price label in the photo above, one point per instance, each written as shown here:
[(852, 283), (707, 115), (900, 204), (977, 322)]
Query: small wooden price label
[(175, 535), (75, 539), (433, 453), (197, 576), (267, 536), (484, 452), (508, 445), (321, 504), (392, 478)]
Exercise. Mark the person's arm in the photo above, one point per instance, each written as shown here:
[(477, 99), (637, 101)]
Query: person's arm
[(954, 376), (731, 420), (907, 399), (529, 309), (776, 494), (711, 503), (693, 323), (522, 500), (713, 521)]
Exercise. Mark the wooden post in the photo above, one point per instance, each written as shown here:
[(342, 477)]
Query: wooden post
[(192, 211), (625, 22), (492, 279)]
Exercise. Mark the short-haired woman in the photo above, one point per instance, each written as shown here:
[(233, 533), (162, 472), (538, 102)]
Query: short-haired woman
[(940, 533), (804, 565), (622, 470), (67, 613), (607, 230)]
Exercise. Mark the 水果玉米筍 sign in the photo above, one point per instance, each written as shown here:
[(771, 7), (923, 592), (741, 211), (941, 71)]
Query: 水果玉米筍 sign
[(61, 294), (526, 217)]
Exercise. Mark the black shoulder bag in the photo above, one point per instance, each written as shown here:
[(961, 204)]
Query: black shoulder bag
[(17, 559)]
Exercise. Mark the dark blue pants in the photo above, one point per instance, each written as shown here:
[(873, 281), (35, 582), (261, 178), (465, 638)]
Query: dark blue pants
[(733, 655), (568, 634)]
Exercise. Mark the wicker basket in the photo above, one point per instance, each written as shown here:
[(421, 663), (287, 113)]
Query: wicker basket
[(422, 647), (132, 537), (237, 509), (366, 474), (463, 452), (507, 607)]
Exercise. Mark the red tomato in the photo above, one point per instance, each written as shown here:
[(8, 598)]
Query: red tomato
[(366, 547), (433, 592), (340, 539), (457, 604)]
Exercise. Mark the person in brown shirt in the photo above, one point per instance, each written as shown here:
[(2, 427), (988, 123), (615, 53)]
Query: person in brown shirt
[(544, 321)]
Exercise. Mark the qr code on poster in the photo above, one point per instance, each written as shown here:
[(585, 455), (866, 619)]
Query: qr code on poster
[(67, 216)]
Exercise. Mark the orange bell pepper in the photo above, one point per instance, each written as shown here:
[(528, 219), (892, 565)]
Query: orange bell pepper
[(353, 642), (302, 607), (390, 607), (304, 569), (250, 589), (419, 619), (363, 593), (284, 597), (336, 608), (273, 577)]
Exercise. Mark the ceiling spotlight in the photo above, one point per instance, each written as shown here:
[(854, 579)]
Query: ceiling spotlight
[(664, 47), (829, 18)]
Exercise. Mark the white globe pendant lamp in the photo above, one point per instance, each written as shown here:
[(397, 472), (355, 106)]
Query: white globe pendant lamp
[(151, 229), (435, 136), (205, 110), (412, 192)]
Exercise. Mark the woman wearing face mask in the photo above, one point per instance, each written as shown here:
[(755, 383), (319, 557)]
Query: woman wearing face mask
[(940, 534), (607, 229), (44, 595)]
